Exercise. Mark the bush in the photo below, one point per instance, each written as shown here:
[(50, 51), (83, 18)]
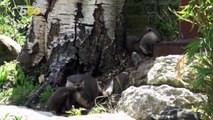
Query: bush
[(46, 94), (160, 15), (200, 13), (9, 73), (13, 24), (15, 86)]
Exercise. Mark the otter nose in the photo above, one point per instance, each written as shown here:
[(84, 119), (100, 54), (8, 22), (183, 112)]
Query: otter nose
[(78, 84)]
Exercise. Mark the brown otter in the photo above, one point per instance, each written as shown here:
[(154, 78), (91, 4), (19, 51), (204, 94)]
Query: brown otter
[(132, 44), (87, 87), (61, 100), (144, 44), (147, 41)]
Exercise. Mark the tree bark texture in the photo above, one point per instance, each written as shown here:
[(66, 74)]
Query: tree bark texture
[(74, 36)]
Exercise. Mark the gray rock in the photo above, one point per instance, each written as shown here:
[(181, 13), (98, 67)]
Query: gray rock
[(175, 113), (138, 102), (165, 71), (132, 76), (138, 77), (29, 114)]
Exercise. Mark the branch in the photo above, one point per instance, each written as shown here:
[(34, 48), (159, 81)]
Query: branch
[(10, 43)]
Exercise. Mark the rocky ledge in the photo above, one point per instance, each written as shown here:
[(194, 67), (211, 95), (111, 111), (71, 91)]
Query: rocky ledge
[(11, 112)]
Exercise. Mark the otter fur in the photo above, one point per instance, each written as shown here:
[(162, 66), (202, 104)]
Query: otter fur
[(147, 41), (87, 87), (144, 44), (61, 100)]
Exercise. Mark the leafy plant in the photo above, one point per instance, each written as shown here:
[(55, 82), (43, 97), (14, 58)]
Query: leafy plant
[(15, 86), (46, 94), (11, 72), (98, 109), (166, 21), (6, 117), (13, 24), (8, 72), (22, 92), (199, 13), (75, 111), (160, 16)]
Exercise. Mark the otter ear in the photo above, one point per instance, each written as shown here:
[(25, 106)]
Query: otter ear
[(71, 78), (68, 77), (82, 82), (148, 28)]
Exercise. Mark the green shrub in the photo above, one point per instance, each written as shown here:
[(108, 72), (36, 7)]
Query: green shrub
[(160, 16), (46, 94), (201, 49), (98, 109), (7, 117), (21, 93), (15, 86), (13, 73), (17, 95), (13, 24), (9, 72)]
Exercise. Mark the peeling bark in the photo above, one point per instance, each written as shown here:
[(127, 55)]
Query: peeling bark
[(74, 36)]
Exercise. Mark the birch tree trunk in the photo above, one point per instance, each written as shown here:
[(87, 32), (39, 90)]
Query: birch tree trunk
[(74, 36)]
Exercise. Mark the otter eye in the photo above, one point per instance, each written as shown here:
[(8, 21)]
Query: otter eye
[(79, 80), (72, 81)]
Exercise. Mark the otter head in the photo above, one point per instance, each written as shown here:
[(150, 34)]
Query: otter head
[(75, 81)]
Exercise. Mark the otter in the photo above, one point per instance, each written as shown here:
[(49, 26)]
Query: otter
[(64, 98), (132, 44), (147, 41), (144, 44), (61, 100), (135, 59), (87, 89)]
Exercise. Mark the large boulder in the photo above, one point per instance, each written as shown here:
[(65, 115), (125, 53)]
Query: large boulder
[(171, 70), (15, 112), (175, 113), (138, 102), (136, 76)]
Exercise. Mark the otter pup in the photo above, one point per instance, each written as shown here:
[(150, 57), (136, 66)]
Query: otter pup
[(86, 86), (132, 44), (61, 100), (144, 44), (147, 41)]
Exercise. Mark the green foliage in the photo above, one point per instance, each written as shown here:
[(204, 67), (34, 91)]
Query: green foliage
[(46, 94), (15, 86), (8, 72), (13, 118), (74, 112), (201, 14), (21, 92), (17, 118), (12, 73), (18, 94), (160, 16), (13, 24), (98, 109)]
